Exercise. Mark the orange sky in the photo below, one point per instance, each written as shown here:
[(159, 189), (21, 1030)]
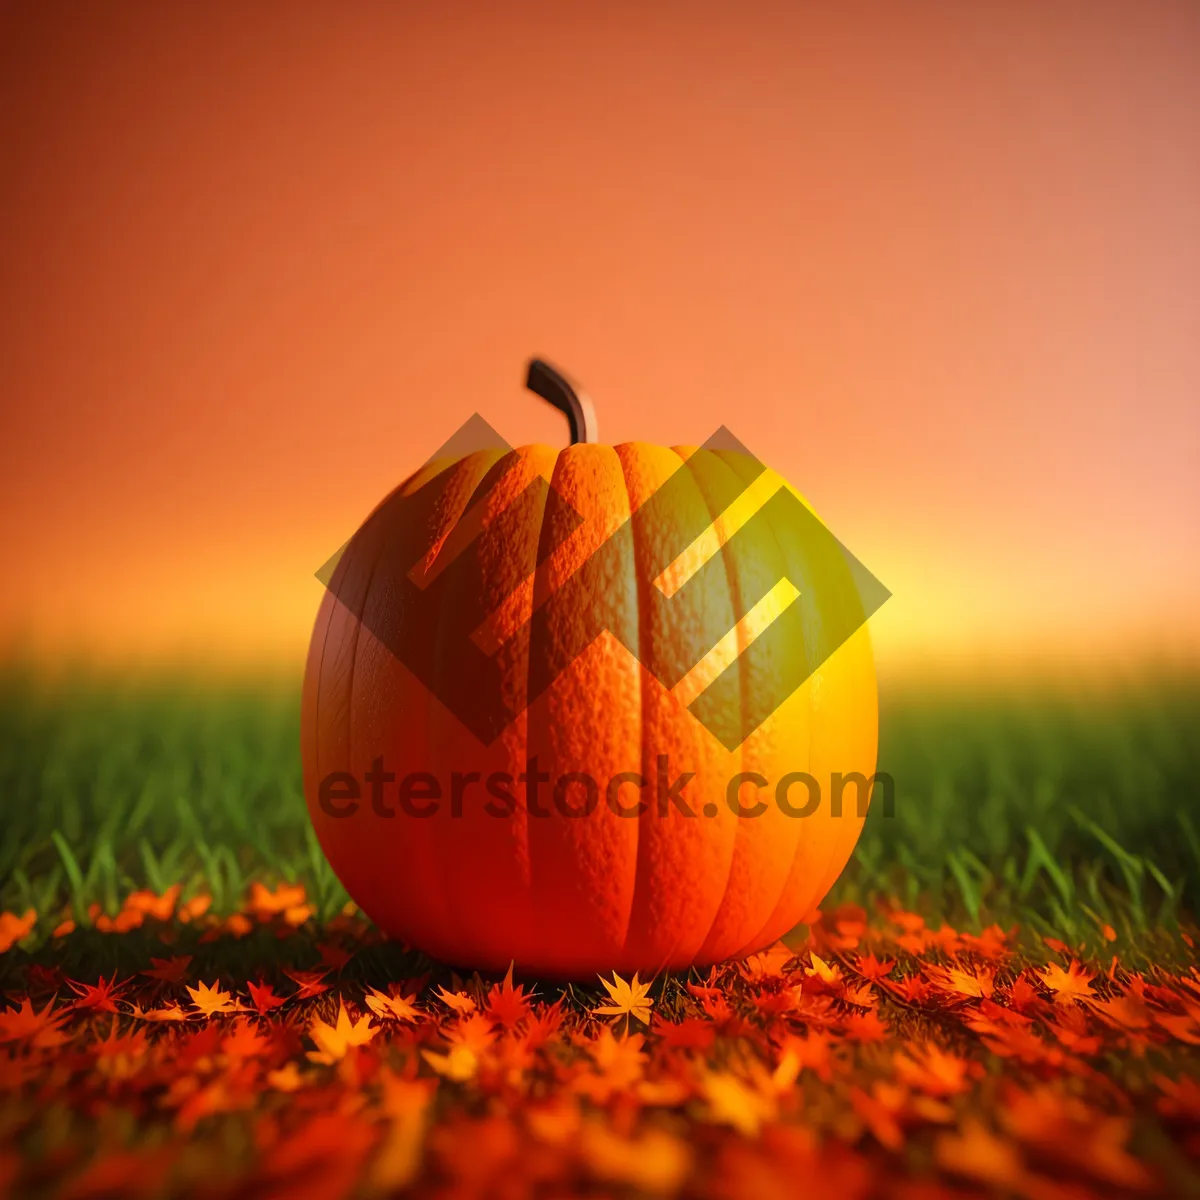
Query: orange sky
[(938, 264)]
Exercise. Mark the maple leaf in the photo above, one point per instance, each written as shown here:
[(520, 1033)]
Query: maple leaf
[(121, 1056), (960, 981), (459, 1065), (865, 1027), (1125, 1011), (1183, 1027), (323, 1157), (1066, 1128), (99, 997), (309, 983), (991, 944), (395, 1008), (41, 980), (621, 1061), (850, 920), (733, 1102), (171, 1012), (652, 1163), (830, 975), (40, 1029), (125, 1173), (507, 1004), (194, 908), (123, 922), (776, 1002), (716, 1004), (474, 1031), (150, 904), (244, 1041), (14, 928), (1073, 1030), (812, 1009), (236, 925), (209, 1000), (262, 996), (225, 1093), (1024, 997), (459, 1001), (878, 1117), (335, 957), (286, 1079), (629, 1000), (767, 964), (333, 1041), (870, 967), (406, 1102), (979, 1154), (1014, 1041), (932, 1070), (169, 970), (1179, 1099), (860, 997), (265, 904), (1072, 984), (911, 989), (812, 1052), (543, 1025), (692, 1033)]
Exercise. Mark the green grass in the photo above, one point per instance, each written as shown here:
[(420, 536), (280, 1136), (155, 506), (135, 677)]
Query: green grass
[(1057, 812)]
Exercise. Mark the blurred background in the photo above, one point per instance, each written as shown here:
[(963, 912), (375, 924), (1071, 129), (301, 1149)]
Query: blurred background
[(938, 265)]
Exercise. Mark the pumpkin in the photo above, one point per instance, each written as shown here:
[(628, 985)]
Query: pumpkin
[(439, 834)]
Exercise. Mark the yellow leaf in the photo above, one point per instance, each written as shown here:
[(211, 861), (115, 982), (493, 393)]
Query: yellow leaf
[(655, 1162), (210, 1000), (406, 1102), (628, 999), (821, 969), (334, 1040), (733, 1103), (396, 1008), (459, 1065), (459, 1001), (286, 1079)]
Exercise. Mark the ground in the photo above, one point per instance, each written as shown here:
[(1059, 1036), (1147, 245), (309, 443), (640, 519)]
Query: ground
[(1000, 996)]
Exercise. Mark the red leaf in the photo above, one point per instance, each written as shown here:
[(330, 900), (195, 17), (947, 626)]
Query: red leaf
[(263, 997)]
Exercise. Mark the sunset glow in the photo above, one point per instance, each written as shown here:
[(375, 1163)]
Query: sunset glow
[(938, 271)]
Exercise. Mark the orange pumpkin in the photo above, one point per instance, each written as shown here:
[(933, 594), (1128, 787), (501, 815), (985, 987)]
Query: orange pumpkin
[(560, 877)]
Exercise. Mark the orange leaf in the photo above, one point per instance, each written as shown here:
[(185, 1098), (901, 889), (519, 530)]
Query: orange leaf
[(459, 1001), (1072, 984), (979, 1154), (14, 928), (39, 1029), (507, 1004), (396, 1008)]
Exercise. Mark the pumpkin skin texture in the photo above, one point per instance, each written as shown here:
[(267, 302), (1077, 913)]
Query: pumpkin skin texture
[(569, 897)]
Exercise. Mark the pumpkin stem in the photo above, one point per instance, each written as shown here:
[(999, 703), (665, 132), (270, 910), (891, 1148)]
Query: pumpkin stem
[(551, 384)]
